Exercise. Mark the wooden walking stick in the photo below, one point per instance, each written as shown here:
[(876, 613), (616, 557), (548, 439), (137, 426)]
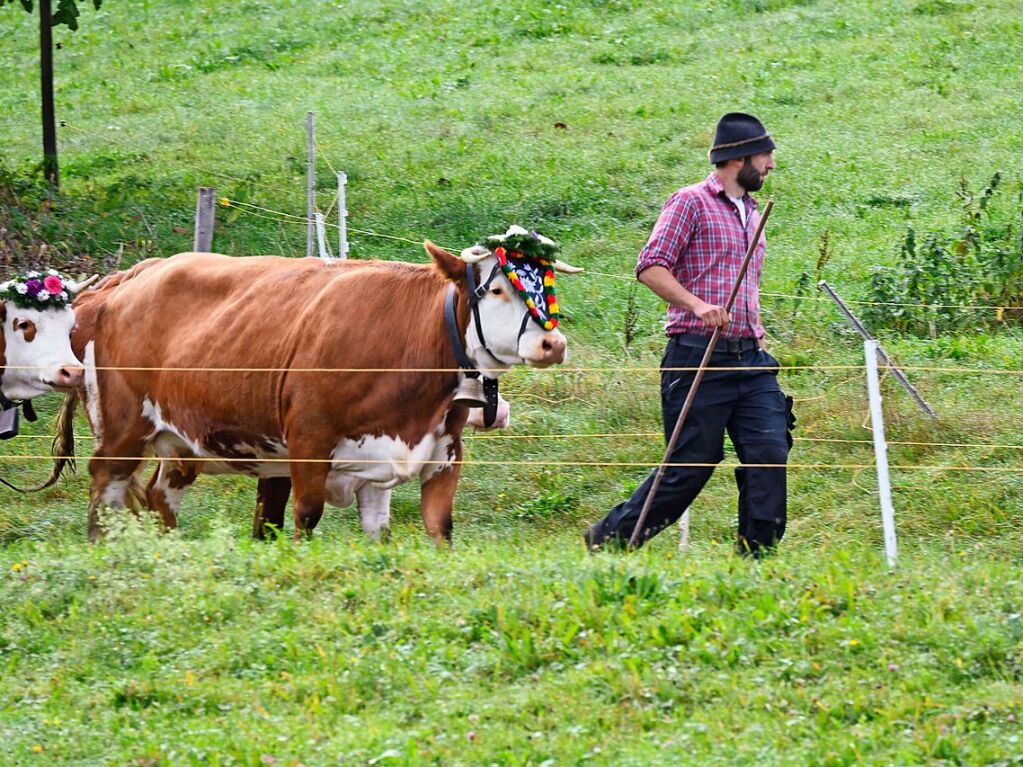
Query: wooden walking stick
[(699, 377)]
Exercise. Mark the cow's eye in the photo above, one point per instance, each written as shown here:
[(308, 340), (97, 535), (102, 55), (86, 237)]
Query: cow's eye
[(24, 325), (497, 291)]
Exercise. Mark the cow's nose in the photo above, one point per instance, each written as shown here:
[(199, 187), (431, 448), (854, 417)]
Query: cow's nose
[(553, 349), (70, 377)]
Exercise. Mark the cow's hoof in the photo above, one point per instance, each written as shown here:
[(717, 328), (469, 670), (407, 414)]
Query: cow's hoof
[(380, 535)]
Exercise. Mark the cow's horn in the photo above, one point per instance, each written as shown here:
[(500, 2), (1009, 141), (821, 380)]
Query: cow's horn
[(561, 266), (77, 287), (474, 254)]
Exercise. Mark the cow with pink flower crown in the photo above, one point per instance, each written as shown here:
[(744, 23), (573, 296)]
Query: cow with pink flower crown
[(35, 346)]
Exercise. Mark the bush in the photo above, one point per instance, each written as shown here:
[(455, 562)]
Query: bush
[(979, 267)]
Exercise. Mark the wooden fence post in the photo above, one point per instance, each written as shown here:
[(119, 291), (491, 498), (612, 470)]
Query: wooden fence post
[(204, 220), (310, 184)]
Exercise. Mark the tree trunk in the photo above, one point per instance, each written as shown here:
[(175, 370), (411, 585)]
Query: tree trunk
[(46, 77)]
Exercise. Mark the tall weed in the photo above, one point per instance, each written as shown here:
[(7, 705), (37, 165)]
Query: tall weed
[(970, 280)]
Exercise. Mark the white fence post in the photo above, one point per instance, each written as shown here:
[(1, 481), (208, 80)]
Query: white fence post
[(342, 215), (321, 238), (310, 184), (881, 453), (683, 531)]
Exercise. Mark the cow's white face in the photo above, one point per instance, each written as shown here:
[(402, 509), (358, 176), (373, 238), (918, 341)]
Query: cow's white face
[(502, 311), (36, 352)]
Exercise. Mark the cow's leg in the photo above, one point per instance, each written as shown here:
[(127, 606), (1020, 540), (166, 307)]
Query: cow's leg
[(167, 487), (436, 502), (271, 499), (308, 481), (113, 469), (375, 511)]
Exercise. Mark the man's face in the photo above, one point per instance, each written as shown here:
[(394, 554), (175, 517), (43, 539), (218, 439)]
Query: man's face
[(754, 170)]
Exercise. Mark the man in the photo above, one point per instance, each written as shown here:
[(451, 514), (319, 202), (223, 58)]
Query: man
[(691, 261)]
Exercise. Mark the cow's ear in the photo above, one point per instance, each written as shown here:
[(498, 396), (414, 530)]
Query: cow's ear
[(3, 312), (451, 266)]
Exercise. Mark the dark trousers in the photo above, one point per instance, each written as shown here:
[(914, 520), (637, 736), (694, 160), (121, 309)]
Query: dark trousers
[(756, 414)]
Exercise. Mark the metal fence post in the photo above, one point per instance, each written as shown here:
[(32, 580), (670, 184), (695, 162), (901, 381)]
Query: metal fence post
[(899, 375)]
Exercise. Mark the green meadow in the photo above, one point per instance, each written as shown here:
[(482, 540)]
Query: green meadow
[(516, 647)]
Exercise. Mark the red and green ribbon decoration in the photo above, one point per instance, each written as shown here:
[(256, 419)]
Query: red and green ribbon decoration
[(547, 314)]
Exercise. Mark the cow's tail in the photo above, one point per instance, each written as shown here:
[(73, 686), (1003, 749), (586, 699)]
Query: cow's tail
[(63, 450)]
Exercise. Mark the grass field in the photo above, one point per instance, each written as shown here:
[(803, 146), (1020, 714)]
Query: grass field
[(515, 648)]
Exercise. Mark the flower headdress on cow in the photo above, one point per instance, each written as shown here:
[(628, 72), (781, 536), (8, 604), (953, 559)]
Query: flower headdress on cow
[(528, 260), (39, 290)]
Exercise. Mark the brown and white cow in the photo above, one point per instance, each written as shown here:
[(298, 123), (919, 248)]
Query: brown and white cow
[(272, 492), (274, 367)]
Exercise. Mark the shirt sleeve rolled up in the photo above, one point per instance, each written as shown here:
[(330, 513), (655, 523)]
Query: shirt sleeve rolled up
[(671, 234)]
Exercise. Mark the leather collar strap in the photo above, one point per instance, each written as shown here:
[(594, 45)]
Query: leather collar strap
[(490, 391), (451, 324)]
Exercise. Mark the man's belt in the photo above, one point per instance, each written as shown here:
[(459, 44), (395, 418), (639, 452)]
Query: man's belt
[(728, 345)]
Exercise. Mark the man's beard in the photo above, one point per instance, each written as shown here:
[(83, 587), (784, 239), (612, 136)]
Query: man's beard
[(749, 177)]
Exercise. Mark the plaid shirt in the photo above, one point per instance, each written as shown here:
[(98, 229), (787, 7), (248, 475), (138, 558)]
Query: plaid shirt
[(700, 239)]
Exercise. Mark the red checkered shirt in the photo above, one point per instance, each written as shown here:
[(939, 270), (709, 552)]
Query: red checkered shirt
[(700, 239)]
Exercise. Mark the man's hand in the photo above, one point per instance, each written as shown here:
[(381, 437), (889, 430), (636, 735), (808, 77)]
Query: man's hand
[(711, 315), (664, 285)]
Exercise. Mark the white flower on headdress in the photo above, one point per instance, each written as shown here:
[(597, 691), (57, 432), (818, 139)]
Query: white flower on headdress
[(63, 295), (513, 230), (32, 274), (42, 295), (54, 272), (546, 240), (21, 287)]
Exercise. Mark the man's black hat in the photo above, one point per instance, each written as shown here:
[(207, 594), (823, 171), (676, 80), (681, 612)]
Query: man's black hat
[(739, 135)]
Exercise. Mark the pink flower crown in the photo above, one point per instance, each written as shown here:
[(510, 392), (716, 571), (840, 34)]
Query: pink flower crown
[(38, 290)]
